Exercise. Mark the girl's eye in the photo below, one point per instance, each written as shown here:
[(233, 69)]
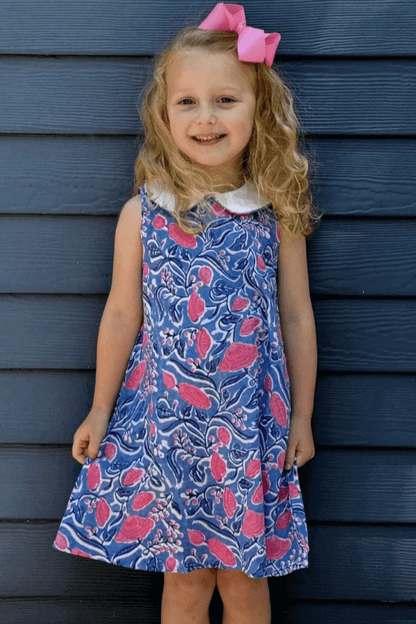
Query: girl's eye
[(223, 98)]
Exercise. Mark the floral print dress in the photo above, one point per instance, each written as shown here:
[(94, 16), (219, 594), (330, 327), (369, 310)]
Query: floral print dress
[(190, 473)]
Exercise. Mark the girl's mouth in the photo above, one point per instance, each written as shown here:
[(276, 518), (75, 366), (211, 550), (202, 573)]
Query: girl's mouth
[(209, 141)]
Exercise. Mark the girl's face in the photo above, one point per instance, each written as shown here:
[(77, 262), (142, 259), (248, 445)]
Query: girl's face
[(210, 94)]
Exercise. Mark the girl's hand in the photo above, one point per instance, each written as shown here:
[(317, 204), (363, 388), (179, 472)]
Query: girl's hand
[(300, 443), (88, 436)]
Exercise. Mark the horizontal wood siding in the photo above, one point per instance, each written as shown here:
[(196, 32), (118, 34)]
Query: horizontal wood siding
[(84, 95), (71, 78), (308, 27)]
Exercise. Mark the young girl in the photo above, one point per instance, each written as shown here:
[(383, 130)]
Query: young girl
[(198, 427)]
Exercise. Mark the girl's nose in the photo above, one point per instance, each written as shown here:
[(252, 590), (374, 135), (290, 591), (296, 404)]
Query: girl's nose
[(205, 113)]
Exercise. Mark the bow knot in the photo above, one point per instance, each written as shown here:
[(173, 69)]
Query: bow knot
[(253, 44)]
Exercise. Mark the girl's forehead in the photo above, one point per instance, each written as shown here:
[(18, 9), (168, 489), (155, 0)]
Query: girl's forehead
[(200, 63)]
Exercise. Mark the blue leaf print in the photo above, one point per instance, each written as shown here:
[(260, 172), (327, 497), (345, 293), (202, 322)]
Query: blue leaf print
[(171, 457), (244, 484), (207, 506), (197, 474)]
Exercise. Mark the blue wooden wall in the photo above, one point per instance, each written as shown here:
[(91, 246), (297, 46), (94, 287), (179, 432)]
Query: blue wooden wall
[(70, 77)]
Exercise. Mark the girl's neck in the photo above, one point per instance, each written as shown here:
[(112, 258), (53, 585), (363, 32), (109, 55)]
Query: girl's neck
[(227, 183)]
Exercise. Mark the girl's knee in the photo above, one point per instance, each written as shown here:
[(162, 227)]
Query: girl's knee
[(235, 584), (191, 582)]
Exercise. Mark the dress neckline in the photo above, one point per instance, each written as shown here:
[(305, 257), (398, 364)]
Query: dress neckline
[(243, 200)]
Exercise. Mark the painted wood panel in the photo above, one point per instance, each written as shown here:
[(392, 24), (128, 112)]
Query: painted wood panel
[(133, 611), (139, 610), (348, 257), (351, 409), (338, 485), (59, 332), (310, 27), (350, 562), (83, 95), (71, 80), (93, 175)]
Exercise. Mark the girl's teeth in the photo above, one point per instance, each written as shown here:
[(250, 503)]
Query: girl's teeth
[(208, 140)]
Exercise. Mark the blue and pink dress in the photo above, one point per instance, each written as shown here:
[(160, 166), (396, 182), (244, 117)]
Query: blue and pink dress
[(190, 473)]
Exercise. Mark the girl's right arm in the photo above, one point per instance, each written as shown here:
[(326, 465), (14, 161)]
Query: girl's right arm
[(120, 323)]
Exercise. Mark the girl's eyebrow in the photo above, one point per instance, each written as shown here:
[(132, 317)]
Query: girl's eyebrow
[(177, 92)]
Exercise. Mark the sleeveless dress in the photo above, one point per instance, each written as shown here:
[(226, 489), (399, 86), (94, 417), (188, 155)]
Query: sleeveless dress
[(190, 473)]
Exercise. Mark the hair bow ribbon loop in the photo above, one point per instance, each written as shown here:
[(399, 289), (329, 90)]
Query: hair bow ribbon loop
[(253, 44)]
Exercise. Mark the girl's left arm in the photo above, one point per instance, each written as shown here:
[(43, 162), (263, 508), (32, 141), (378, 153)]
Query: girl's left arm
[(300, 344)]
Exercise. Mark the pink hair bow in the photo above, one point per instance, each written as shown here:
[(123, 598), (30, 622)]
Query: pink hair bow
[(253, 44)]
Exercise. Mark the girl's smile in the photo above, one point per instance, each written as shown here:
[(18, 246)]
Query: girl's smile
[(210, 108), (209, 140)]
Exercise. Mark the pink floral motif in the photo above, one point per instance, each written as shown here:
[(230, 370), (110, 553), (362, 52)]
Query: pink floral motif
[(278, 409), (281, 460), (283, 494), (185, 240), (237, 356), (196, 307), (169, 380), (229, 502), (224, 435), (257, 497), (277, 547), (249, 325), (93, 475), (260, 263), (80, 553), (102, 512), (222, 552), (286, 370), (145, 269), (239, 304), (253, 468), (135, 379), (171, 564), (142, 499), (266, 482), (194, 396), (61, 542), (159, 222), (268, 383), (284, 519), (152, 428), (203, 343), (253, 523), (218, 467), (205, 275), (110, 450), (293, 491), (196, 537), (134, 528), (133, 476)]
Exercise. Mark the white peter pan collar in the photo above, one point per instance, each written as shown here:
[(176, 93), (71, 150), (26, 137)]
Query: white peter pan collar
[(242, 200)]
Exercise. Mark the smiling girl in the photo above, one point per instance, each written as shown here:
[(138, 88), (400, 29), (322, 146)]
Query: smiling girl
[(206, 356)]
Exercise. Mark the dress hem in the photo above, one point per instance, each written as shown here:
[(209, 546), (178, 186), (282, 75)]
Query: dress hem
[(282, 572)]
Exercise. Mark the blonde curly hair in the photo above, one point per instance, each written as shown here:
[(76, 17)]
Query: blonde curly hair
[(272, 159)]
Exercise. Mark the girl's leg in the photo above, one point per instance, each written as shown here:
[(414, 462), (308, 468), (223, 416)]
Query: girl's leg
[(246, 600), (186, 596)]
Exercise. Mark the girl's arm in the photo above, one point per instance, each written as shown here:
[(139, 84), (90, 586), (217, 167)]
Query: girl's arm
[(123, 312), (120, 323), (299, 338)]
